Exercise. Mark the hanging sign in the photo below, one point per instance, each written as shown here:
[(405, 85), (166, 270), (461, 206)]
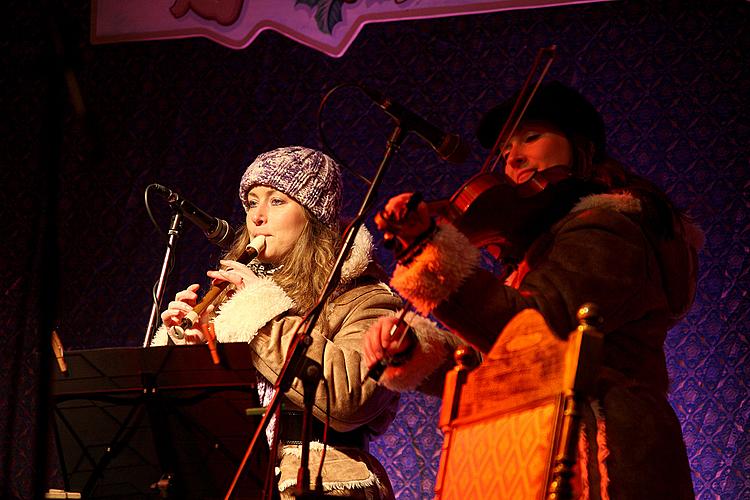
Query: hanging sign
[(329, 26)]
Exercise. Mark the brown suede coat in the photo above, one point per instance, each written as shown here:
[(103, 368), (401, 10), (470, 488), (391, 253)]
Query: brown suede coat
[(601, 252), (355, 406), (261, 315)]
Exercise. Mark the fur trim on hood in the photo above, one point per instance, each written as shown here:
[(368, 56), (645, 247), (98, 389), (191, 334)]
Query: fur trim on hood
[(359, 257), (627, 203), (619, 202), (674, 255)]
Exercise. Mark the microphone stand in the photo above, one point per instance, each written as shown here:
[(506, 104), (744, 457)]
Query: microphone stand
[(297, 364), (175, 227)]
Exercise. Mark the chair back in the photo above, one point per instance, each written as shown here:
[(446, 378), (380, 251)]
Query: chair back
[(510, 426)]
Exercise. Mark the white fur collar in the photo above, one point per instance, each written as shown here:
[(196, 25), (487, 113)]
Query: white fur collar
[(240, 317), (619, 202), (359, 257)]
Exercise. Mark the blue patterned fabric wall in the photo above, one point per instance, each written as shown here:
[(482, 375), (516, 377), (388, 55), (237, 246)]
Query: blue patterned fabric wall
[(670, 78)]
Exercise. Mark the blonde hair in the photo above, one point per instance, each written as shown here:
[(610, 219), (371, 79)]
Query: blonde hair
[(302, 272)]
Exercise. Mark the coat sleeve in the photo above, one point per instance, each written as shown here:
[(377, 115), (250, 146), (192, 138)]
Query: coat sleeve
[(598, 256), (427, 365), (338, 348)]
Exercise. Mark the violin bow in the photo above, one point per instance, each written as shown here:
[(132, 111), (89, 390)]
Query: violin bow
[(398, 331), (524, 96)]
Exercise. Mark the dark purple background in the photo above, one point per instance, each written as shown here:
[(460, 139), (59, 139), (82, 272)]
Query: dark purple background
[(670, 78)]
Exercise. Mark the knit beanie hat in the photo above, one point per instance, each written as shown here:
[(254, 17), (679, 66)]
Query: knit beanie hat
[(312, 178), (556, 104)]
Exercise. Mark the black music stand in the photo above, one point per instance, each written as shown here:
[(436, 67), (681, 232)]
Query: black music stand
[(155, 422)]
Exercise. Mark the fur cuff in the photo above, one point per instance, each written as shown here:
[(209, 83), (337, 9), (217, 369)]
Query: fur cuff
[(428, 355), (240, 317), (438, 270), (160, 337)]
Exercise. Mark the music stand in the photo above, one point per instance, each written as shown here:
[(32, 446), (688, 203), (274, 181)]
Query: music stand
[(160, 421)]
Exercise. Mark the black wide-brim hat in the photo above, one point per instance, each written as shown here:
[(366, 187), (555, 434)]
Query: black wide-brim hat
[(556, 104)]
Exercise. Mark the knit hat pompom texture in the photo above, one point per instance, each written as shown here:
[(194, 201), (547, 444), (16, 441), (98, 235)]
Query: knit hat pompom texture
[(312, 178)]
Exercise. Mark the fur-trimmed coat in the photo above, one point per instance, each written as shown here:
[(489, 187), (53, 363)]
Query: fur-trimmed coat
[(260, 315), (601, 252)]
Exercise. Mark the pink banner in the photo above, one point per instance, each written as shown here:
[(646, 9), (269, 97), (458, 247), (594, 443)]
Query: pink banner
[(329, 26)]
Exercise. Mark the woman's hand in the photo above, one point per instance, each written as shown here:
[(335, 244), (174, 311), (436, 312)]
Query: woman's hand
[(235, 273), (403, 222), (182, 304), (379, 343)]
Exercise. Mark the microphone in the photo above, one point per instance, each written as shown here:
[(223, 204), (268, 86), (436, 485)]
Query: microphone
[(216, 230), (449, 147)]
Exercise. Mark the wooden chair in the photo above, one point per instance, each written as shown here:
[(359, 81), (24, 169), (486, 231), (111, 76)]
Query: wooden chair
[(511, 425)]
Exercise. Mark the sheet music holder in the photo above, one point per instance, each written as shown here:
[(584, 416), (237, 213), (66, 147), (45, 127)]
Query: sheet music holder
[(126, 418)]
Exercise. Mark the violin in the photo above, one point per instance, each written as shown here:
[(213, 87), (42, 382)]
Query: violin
[(492, 213), (500, 217), (495, 215)]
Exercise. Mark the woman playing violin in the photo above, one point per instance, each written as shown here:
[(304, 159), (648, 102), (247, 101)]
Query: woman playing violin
[(612, 238), (292, 197)]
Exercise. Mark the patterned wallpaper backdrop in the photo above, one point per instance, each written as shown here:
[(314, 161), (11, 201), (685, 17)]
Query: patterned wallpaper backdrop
[(670, 78)]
